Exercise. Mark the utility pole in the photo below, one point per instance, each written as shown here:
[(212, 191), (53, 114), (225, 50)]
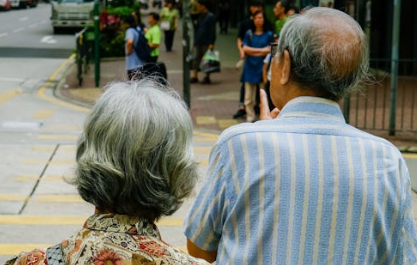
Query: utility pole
[(96, 43), (394, 64), (186, 20)]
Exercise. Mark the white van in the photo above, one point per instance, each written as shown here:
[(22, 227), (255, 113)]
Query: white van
[(72, 14)]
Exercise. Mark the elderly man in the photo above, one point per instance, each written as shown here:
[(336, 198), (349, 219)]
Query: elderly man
[(304, 187)]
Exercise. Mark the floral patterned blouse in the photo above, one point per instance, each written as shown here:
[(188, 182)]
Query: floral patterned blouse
[(110, 239)]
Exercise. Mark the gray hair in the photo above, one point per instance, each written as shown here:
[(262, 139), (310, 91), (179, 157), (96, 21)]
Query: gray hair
[(328, 49), (135, 156)]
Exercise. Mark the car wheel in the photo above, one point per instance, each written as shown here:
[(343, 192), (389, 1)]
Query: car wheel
[(57, 30)]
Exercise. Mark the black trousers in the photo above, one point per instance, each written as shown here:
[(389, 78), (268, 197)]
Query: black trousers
[(169, 39)]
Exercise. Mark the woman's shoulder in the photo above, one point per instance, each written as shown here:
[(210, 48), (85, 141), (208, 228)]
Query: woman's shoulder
[(34, 257)]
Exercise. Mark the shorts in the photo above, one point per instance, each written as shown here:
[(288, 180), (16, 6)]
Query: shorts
[(198, 53)]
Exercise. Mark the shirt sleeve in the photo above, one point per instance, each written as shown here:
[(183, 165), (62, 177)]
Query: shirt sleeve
[(409, 234), (204, 222)]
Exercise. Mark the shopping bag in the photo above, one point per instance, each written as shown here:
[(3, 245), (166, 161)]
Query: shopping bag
[(210, 63), (165, 25)]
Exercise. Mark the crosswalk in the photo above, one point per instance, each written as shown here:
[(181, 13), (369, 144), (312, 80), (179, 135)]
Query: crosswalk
[(38, 208)]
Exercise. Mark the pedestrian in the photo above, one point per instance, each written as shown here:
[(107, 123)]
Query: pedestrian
[(256, 46), (204, 38), (169, 23), (244, 26), (224, 15), (134, 163), (281, 9), (133, 62), (153, 35), (302, 186)]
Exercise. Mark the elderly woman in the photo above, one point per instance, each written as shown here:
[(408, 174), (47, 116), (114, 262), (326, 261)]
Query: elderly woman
[(135, 165)]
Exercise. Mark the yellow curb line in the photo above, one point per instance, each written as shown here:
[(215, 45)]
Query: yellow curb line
[(41, 92), (412, 156)]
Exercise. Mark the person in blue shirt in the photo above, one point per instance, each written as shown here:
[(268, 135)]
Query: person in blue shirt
[(256, 46), (133, 62), (302, 186)]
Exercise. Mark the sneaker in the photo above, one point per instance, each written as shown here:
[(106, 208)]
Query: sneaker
[(206, 80), (241, 113), (193, 80)]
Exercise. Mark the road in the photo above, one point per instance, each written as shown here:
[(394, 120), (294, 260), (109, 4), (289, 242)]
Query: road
[(38, 134)]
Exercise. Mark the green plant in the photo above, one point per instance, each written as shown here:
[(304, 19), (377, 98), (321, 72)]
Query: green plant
[(112, 46)]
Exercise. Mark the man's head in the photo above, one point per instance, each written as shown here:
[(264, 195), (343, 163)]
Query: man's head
[(281, 8), (255, 5), (203, 6), (320, 53), (153, 18)]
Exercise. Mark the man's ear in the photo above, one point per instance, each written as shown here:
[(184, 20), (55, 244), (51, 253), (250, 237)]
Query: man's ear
[(286, 68)]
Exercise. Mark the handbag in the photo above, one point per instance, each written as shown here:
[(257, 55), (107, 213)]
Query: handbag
[(165, 25), (210, 63)]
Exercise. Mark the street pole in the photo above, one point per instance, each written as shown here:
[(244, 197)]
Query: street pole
[(186, 51), (394, 64), (96, 44)]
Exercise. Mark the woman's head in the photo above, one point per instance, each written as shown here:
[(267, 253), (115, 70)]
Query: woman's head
[(135, 155)]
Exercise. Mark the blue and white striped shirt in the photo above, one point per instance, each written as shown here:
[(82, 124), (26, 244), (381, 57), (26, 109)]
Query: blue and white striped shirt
[(304, 188)]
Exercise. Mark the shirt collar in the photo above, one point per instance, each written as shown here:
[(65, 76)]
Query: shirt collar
[(312, 107), (122, 224)]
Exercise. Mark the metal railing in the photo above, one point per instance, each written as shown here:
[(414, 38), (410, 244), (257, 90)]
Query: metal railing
[(369, 108)]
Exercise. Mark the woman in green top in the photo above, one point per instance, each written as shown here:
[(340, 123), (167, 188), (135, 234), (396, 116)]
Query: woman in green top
[(169, 22)]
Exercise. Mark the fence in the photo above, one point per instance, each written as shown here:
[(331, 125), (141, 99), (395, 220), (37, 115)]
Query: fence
[(369, 108)]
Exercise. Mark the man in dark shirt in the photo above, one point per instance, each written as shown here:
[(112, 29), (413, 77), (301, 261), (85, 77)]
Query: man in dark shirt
[(204, 38)]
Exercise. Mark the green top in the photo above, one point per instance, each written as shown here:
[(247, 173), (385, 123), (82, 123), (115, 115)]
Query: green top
[(153, 35), (279, 24), (169, 15)]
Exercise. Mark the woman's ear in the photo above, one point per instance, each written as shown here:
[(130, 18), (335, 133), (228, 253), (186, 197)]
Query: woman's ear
[(286, 68)]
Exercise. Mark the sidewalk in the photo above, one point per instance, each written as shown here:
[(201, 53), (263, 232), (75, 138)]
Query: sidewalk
[(212, 105)]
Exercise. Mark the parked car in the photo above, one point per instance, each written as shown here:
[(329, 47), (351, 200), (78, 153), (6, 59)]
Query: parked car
[(5, 5), (23, 3)]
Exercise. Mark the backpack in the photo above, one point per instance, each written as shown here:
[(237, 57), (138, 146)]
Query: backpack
[(142, 48)]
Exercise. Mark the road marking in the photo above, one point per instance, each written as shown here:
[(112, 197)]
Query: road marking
[(41, 92), (43, 114), (8, 95), (43, 148), (69, 198), (18, 30), (63, 127), (206, 120), (48, 39), (202, 150), (68, 220), (3, 34), (57, 137), (212, 135), (30, 161), (412, 156), (23, 18), (12, 198), (15, 249)]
